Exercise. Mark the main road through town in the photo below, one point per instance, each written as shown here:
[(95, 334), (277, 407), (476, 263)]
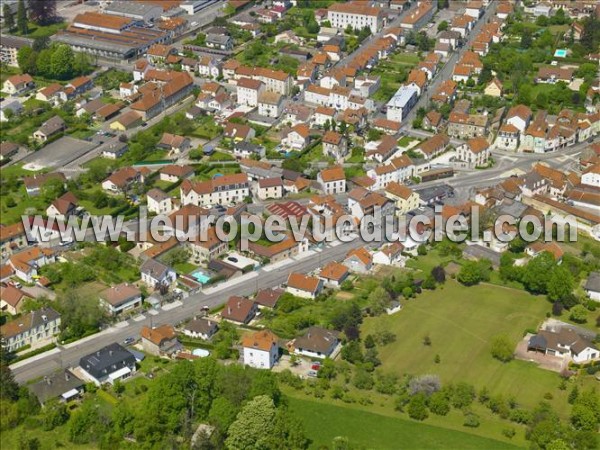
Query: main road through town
[(269, 276)]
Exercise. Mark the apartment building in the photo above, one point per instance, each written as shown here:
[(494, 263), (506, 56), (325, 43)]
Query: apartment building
[(357, 14), (233, 188)]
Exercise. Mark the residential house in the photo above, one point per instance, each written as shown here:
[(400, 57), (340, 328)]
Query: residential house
[(27, 262), (270, 104), (206, 249), (335, 145), (108, 364), (173, 143), (8, 150), (156, 274), (268, 298), (32, 329), (474, 153), (390, 255), (219, 41), (270, 188), (592, 286), (565, 343), (404, 198), (121, 298), (61, 386), (466, 126), (494, 88), (332, 180), (519, 116), (9, 110), (316, 342), (248, 91), (115, 150), (49, 129), (174, 173), (12, 238), (63, 207), (238, 132), (232, 188), (402, 102), (304, 286), (159, 341), (334, 274), (246, 150), (261, 349), (201, 328), (11, 299), (34, 183), (127, 121), (554, 74), (537, 248), (297, 137), (359, 260), (508, 137), (434, 146), (158, 201), (121, 180), (239, 310), (433, 121), (17, 84), (591, 176)]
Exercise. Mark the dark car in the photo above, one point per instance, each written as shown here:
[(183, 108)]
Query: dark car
[(128, 341)]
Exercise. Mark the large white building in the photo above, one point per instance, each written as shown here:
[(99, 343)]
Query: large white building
[(261, 349), (223, 190), (402, 102), (357, 14)]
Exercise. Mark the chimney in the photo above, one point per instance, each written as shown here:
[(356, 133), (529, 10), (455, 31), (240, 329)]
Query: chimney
[(67, 376), (110, 352), (98, 353)]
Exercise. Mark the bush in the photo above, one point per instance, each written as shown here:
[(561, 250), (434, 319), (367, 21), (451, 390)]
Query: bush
[(417, 407), (502, 349), (471, 420), (579, 314)]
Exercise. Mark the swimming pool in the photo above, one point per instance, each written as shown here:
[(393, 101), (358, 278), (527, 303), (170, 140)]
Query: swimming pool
[(560, 53), (200, 276), (200, 352)]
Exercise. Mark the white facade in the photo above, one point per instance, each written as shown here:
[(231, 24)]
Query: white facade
[(261, 359), (591, 178), (356, 20), (402, 102)]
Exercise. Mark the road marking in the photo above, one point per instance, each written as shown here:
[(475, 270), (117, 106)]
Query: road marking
[(139, 318), (173, 305), (153, 312), (121, 324)]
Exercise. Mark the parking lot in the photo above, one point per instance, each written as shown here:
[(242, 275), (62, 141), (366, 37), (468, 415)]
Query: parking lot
[(302, 368), (57, 154)]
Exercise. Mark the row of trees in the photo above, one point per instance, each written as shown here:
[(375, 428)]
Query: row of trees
[(57, 62), (39, 12)]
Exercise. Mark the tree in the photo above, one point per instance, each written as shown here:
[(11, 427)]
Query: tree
[(61, 62), (462, 395), (473, 272), (40, 43), (9, 17), (557, 308), (55, 415), (417, 407), (443, 26), (560, 283), (439, 404), (439, 274), (579, 314), (22, 25), (584, 418), (426, 384), (42, 13), (26, 58), (422, 250), (378, 300), (253, 425), (502, 348)]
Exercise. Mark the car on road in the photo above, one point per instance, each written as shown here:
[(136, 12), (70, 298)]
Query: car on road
[(312, 373), (128, 341), (232, 259), (144, 124), (316, 366), (15, 284)]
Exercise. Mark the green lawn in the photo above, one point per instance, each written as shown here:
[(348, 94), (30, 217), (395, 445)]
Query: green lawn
[(461, 322), (323, 422), (37, 31)]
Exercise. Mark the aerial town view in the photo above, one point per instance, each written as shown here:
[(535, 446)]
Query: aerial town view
[(300, 224)]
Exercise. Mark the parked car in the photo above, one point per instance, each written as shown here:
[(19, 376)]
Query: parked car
[(128, 341)]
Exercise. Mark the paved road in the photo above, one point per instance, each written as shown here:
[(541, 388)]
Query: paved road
[(70, 355), (446, 72)]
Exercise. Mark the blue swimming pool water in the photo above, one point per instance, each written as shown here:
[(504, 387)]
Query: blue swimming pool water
[(200, 276), (561, 53)]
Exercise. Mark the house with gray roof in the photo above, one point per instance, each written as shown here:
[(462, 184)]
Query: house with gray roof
[(154, 274), (592, 286), (108, 365), (62, 386)]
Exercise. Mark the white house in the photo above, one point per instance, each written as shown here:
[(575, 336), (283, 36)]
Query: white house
[(474, 153), (232, 188), (120, 298), (356, 14), (564, 342), (316, 342), (248, 91), (297, 137), (201, 328), (155, 274), (333, 180), (390, 255), (519, 116), (402, 102), (261, 349), (270, 104), (592, 286), (335, 145), (270, 188), (591, 176), (304, 286), (159, 202)]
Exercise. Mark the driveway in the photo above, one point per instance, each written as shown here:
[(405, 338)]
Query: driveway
[(548, 362)]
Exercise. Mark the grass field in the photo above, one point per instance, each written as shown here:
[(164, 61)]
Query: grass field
[(323, 422), (461, 323)]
